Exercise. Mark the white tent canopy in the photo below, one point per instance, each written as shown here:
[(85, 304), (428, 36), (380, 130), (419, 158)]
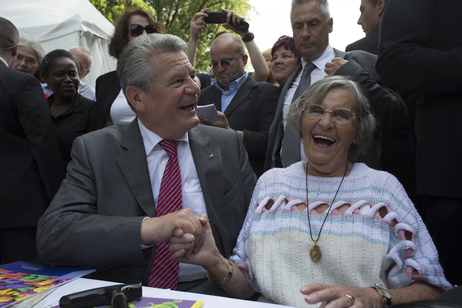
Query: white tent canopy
[(63, 24)]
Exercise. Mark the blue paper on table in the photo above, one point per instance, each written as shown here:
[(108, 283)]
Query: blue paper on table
[(22, 280)]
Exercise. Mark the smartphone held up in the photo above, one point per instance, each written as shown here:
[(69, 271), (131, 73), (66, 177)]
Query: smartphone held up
[(219, 17)]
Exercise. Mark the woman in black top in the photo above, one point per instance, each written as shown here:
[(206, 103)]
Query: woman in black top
[(111, 106), (71, 112)]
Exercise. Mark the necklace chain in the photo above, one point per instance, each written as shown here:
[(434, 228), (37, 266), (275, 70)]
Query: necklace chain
[(315, 251)]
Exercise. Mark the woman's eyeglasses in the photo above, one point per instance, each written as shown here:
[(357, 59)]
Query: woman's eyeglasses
[(137, 30), (224, 63), (340, 115)]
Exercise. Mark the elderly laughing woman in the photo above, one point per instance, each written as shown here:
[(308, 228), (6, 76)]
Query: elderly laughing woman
[(360, 243)]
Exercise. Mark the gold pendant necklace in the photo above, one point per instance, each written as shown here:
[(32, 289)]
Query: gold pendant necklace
[(315, 251)]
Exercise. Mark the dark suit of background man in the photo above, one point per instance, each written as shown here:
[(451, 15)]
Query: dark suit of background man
[(421, 51), (246, 105), (398, 150), (311, 25), (31, 167), (105, 209)]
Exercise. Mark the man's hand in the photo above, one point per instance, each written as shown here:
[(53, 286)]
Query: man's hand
[(181, 238), (236, 20), (334, 65), (161, 229), (223, 122), (198, 25)]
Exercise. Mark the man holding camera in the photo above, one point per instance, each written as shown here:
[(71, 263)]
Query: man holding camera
[(244, 105)]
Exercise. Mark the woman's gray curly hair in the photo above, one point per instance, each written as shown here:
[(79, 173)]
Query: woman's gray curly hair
[(35, 46), (366, 123)]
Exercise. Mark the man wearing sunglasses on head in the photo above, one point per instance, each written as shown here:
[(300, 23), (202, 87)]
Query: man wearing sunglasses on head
[(244, 105)]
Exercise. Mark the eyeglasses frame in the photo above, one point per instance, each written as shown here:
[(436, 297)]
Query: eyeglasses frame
[(331, 114), (228, 62)]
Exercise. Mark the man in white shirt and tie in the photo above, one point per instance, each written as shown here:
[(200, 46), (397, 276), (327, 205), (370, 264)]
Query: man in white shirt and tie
[(311, 25)]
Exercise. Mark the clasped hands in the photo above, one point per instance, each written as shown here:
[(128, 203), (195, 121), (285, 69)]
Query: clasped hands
[(183, 226)]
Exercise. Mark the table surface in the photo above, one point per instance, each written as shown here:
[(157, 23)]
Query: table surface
[(82, 284)]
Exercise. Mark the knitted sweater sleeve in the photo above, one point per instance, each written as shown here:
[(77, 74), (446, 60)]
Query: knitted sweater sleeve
[(412, 255)]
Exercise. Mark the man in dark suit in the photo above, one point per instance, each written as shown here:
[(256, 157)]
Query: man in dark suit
[(31, 169), (245, 105), (420, 50), (397, 150), (104, 215), (311, 25), (369, 20)]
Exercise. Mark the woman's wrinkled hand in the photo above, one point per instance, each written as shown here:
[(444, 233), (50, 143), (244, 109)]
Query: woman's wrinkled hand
[(332, 296)]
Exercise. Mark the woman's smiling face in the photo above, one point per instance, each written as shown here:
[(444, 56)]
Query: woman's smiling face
[(283, 64), (326, 143), (63, 77)]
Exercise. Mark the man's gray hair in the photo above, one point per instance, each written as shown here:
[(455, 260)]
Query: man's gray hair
[(23, 42), (365, 125), (136, 67), (324, 7)]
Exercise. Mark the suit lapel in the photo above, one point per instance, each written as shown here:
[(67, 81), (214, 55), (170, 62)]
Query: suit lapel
[(244, 90), (215, 98), (133, 164), (208, 162), (286, 88)]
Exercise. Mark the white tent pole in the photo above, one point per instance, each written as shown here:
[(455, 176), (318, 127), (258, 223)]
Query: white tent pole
[(81, 38)]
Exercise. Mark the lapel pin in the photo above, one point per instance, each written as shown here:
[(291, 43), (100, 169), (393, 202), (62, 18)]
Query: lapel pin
[(211, 156)]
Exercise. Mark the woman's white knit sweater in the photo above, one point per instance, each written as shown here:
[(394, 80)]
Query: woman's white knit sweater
[(361, 247)]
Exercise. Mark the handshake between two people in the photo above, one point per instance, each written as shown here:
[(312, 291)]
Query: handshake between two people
[(190, 236)]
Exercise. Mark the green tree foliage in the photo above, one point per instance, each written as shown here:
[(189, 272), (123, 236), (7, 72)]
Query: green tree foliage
[(175, 16)]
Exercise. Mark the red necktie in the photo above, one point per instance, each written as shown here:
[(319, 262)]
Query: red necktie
[(164, 271)]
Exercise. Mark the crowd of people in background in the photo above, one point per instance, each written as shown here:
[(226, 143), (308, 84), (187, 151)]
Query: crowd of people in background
[(324, 176)]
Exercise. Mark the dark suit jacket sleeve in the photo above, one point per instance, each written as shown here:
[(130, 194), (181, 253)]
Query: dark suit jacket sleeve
[(227, 181), (75, 231), (238, 199), (407, 59), (369, 43), (256, 140), (387, 106), (34, 116)]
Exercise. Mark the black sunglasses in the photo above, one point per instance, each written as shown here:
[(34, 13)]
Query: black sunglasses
[(136, 30)]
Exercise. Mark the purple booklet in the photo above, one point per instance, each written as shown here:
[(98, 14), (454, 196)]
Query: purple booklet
[(149, 302), (22, 280)]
